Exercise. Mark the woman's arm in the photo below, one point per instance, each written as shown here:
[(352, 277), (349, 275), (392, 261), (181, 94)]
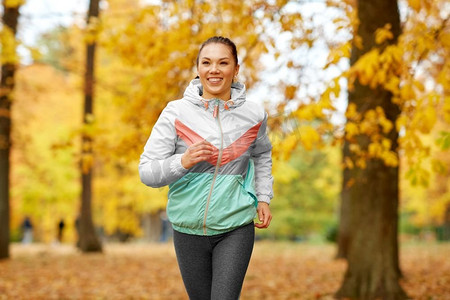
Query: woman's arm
[(159, 165), (262, 157)]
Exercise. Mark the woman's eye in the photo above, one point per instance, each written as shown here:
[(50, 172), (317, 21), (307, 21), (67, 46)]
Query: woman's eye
[(206, 63), (224, 63)]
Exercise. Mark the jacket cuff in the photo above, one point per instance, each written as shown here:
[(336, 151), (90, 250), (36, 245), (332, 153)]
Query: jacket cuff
[(264, 198), (176, 167)]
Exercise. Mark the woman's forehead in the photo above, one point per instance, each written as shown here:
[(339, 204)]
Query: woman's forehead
[(216, 50)]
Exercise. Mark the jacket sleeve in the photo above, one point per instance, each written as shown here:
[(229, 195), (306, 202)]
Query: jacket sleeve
[(159, 165), (262, 157)]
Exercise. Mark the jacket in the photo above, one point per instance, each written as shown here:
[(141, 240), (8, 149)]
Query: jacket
[(220, 194)]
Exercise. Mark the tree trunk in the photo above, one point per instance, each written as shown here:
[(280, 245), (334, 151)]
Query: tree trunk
[(372, 193), (88, 240), (9, 20), (446, 225), (344, 232)]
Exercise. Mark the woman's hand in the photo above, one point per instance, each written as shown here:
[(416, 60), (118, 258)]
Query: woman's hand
[(264, 215), (196, 153)]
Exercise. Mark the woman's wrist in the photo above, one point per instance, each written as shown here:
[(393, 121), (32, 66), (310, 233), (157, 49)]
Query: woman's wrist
[(264, 199)]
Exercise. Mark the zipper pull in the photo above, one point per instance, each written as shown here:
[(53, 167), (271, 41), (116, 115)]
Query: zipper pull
[(216, 109)]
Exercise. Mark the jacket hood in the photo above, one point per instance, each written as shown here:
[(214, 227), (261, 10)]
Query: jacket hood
[(194, 91)]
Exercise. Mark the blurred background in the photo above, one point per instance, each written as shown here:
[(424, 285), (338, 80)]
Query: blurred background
[(293, 55), (359, 103)]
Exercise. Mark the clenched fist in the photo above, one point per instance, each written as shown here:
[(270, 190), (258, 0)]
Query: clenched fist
[(196, 153)]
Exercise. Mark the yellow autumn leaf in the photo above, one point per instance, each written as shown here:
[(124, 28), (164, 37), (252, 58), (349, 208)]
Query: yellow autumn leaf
[(385, 124), (415, 4), (351, 129), (374, 149), (392, 84), (289, 92), (355, 148), (358, 42), (351, 112), (387, 143), (361, 163), (390, 158), (383, 34), (407, 93)]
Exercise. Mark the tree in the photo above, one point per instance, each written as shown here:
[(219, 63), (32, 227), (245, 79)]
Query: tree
[(8, 65), (371, 189), (88, 240)]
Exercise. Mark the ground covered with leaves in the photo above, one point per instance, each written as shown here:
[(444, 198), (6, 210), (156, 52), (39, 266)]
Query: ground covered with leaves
[(149, 271)]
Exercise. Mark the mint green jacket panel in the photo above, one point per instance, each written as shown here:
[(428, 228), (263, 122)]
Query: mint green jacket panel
[(233, 203), (187, 202)]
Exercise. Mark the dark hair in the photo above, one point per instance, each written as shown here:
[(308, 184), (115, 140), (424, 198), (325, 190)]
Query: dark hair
[(220, 40)]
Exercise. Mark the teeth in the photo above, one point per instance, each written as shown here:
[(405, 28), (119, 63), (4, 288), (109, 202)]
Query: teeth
[(215, 79)]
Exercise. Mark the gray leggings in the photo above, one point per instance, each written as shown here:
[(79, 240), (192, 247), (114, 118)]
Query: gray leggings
[(213, 267)]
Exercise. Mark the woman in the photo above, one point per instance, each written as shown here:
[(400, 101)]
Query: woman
[(212, 149)]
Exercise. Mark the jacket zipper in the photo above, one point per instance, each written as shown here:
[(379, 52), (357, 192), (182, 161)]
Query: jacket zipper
[(219, 159)]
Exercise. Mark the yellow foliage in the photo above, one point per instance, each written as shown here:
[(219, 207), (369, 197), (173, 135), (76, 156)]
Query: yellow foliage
[(8, 46), (284, 172), (444, 37), (446, 109), (352, 113), (13, 3), (361, 163), (351, 129), (309, 137), (336, 54), (415, 4), (375, 149), (438, 167), (383, 34), (407, 92), (358, 42), (348, 163), (289, 92), (390, 158), (305, 112), (425, 119)]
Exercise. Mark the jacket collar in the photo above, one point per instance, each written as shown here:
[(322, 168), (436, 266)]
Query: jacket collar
[(194, 91)]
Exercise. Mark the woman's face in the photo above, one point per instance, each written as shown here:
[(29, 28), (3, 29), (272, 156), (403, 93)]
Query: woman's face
[(216, 69)]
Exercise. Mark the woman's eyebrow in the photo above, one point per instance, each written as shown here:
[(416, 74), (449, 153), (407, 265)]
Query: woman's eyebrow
[(223, 58)]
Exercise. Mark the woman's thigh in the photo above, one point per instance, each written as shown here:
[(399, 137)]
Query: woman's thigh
[(230, 259), (194, 256)]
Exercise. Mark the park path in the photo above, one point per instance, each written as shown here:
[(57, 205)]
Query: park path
[(149, 271)]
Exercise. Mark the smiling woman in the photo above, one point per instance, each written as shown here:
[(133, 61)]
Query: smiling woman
[(217, 66), (212, 149)]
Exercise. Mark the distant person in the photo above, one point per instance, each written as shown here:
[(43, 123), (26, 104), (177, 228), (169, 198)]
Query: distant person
[(61, 226), (27, 228), (166, 227), (212, 149)]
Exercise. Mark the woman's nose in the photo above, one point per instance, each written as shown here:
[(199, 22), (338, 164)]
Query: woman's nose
[(214, 68)]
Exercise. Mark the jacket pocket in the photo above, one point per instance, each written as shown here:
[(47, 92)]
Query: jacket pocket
[(187, 198), (232, 205)]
